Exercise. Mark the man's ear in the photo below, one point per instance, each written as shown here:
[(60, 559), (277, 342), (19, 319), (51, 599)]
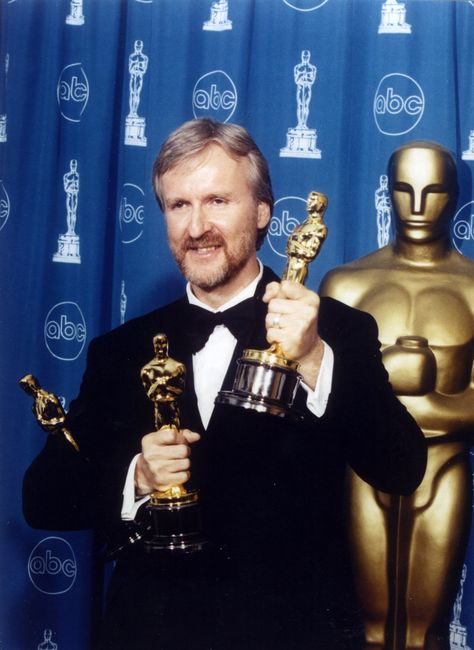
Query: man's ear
[(263, 214)]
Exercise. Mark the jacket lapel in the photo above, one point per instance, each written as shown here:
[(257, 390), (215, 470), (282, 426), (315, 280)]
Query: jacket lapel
[(257, 339)]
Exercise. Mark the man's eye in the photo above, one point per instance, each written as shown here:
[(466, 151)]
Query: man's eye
[(177, 205)]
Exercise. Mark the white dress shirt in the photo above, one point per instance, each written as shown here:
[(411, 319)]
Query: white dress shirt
[(209, 368)]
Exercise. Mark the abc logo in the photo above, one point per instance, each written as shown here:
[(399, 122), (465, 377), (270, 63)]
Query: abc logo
[(399, 104), (52, 566), (215, 95), (65, 331), (73, 92), (462, 231), (131, 213), (305, 5), (4, 205), (288, 213)]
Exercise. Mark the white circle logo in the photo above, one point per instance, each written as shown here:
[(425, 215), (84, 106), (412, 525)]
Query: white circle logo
[(131, 213), (52, 566), (305, 5), (288, 212), (462, 229), (73, 92), (399, 104), (4, 205), (215, 95), (65, 331)]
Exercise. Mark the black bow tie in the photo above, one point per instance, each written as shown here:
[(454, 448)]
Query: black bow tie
[(239, 320)]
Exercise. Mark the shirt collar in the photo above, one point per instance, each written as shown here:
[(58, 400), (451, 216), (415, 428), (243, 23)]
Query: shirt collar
[(247, 292)]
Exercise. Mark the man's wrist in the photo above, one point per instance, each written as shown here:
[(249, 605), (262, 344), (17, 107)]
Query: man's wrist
[(318, 397), (141, 486), (131, 500), (309, 365)]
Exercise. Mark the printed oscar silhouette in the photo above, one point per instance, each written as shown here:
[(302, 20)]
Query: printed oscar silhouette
[(68, 242), (134, 124), (408, 551), (174, 513), (266, 380), (301, 140)]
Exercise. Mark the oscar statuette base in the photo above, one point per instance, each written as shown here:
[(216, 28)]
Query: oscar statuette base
[(68, 249), (135, 131), (266, 382), (175, 523)]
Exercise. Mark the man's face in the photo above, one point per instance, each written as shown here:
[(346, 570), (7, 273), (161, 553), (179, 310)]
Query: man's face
[(423, 191), (212, 220)]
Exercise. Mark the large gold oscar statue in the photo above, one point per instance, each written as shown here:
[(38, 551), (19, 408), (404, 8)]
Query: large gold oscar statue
[(408, 551)]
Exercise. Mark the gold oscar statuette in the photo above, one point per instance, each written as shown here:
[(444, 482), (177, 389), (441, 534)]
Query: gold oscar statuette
[(47, 408), (174, 512), (408, 551), (266, 380)]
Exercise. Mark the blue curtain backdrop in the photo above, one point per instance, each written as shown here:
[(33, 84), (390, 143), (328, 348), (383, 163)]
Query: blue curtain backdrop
[(88, 91)]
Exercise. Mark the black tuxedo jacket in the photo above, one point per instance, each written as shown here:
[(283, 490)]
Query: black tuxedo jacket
[(272, 491)]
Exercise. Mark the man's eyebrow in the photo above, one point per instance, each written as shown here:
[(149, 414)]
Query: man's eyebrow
[(220, 195), (173, 199)]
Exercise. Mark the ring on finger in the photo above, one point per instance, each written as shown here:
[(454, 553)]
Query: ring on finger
[(276, 320)]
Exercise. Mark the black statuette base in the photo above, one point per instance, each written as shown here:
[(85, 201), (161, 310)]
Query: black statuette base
[(174, 527)]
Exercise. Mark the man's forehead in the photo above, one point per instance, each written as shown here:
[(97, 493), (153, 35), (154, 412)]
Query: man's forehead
[(214, 167), (203, 156)]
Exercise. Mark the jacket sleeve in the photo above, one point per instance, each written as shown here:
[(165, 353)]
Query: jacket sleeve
[(66, 490), (382, 442)]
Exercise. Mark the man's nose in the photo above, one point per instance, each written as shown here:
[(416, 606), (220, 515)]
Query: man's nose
[(198, 224)]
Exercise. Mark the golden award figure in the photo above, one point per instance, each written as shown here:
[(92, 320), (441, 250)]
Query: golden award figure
[(174, 513), (266, 380), (47, 408), (408, 551)]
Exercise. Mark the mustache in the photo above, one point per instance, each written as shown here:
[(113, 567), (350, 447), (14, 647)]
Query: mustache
[(207, 239)]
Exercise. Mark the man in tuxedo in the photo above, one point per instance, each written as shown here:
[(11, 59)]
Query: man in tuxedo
[(272, 489)]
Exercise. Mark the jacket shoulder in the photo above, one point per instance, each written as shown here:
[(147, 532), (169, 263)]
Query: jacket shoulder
[(142, 325), (338, 321)]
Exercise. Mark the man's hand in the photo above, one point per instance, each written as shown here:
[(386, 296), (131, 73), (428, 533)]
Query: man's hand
[(164, 460), (295, 309)]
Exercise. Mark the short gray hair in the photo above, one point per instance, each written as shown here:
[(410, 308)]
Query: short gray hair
[(194, 136)]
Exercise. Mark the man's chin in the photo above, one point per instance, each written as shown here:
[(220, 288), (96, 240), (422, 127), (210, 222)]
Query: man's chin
[(209, 274), (206, 279)]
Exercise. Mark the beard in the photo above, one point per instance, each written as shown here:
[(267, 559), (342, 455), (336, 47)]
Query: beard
[(211, 275)]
